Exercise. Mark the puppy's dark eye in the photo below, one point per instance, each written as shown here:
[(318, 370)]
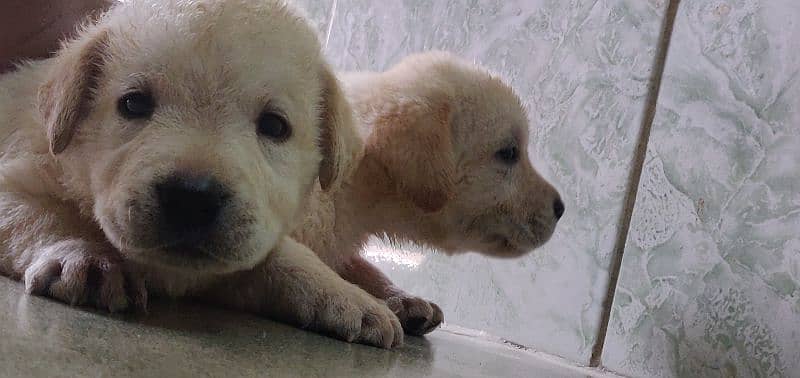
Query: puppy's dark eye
[(508, 155), (136, 105), (273, 126)]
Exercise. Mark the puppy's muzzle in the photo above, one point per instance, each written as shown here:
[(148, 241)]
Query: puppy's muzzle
[(190, 207)]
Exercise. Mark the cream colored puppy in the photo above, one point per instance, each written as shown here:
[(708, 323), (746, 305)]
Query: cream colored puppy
[(168, 149), (445, 164)]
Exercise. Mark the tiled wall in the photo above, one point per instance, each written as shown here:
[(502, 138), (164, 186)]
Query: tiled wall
[(710, 283)]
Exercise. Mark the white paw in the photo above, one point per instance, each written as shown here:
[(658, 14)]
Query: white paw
[(351, 314), (81, 272)]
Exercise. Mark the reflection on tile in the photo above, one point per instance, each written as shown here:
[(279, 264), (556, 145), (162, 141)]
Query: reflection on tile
[(710, 283), (319, 12), (581, 67)]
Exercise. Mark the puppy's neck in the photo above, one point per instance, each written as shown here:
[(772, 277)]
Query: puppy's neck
[(374, 206)]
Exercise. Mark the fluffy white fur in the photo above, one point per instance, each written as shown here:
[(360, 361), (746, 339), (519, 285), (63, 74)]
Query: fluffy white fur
[(76, 179), (431, 173)]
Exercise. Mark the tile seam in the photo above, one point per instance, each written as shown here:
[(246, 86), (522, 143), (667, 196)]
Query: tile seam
[(651, 102)]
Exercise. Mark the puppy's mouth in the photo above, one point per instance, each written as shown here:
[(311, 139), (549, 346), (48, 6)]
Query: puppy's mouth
[(503, 245), (184, 248), (196, 251), (515, 240)]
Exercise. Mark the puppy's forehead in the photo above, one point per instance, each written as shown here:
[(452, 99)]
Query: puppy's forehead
[(247, 48), (498, 112)]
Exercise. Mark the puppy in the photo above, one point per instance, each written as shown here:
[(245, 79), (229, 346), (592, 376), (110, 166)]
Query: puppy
[(168, 150), (445, 164)]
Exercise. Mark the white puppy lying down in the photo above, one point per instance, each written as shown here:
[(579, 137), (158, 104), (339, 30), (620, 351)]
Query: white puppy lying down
[(168, 149), (445, 164)]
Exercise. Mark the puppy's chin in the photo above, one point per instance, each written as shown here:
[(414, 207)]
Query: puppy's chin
[(488, 247), (503, 247), (494, 246), (505, 244), (192, 260)]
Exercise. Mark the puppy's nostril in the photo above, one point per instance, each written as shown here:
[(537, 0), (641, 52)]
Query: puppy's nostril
[(190, 204), (558, 208)]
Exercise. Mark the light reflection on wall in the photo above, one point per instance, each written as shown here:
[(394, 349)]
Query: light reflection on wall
[(406, 255)]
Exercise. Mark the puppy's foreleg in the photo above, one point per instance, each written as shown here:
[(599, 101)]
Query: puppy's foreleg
[(418, 316), (57, 253), (295, 286)]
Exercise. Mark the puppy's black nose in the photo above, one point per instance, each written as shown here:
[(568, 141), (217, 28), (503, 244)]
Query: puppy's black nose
[(558, 208), (190, 204)]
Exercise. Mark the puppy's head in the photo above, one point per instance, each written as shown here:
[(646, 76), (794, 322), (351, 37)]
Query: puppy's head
[(194, 129), (456, 146)]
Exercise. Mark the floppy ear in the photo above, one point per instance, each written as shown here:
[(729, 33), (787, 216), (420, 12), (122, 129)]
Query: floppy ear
[(66, 96), (413, 144), (339, 140)]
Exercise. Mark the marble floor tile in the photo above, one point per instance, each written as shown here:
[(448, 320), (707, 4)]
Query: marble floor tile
[(581, 67), (43, 338), (710, 283)]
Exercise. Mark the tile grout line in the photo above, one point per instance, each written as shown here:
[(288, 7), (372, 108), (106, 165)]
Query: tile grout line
[(633, 180)]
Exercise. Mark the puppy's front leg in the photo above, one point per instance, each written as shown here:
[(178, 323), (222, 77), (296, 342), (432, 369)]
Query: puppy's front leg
[(57, 253), (418, 316), (295, 286)]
